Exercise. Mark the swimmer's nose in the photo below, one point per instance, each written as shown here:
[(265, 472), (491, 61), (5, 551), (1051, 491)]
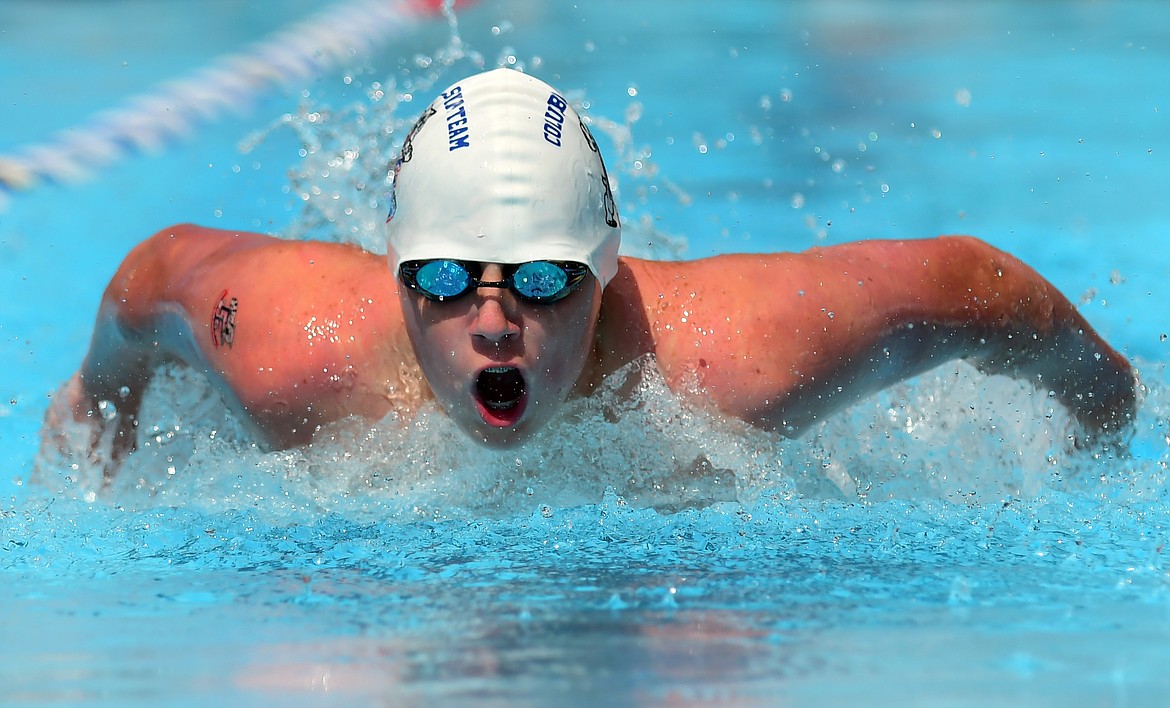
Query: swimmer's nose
[(492, 319)]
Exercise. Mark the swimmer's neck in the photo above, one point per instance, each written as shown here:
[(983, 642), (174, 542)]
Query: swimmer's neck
[(623, 332)]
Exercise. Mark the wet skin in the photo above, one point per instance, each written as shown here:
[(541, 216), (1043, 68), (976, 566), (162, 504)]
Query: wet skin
[(322, 331), (546, 345)]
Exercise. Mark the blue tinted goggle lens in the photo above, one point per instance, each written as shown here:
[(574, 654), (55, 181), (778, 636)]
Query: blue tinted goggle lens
[(535, 281), (443, 279), (539, 280)]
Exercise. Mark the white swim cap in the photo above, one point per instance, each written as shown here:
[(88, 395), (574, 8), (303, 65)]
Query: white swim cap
[(500, 169)]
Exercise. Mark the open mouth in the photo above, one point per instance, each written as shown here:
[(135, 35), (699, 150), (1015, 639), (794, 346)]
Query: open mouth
[(500, 394)]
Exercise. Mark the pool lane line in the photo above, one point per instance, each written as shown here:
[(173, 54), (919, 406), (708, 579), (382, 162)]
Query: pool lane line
[(148, 122)]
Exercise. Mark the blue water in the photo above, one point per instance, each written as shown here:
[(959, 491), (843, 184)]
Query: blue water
[(936, 544)]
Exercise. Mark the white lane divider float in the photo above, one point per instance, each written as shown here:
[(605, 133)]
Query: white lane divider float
[(149, 121)]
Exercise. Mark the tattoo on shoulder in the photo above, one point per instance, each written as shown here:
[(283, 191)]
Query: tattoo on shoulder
[(223, 320)]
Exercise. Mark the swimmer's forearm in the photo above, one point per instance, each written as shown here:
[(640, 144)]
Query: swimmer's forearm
[(1059, 351), (106, 392), (1024, 327), (119, 364)]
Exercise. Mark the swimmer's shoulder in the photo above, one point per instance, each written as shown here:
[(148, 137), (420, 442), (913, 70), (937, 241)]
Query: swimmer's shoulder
[(655, 306), (651, 280), (186, 242), (194, 265), (190, 251)]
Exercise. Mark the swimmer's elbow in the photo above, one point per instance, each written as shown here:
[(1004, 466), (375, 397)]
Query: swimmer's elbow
[(142, 280)]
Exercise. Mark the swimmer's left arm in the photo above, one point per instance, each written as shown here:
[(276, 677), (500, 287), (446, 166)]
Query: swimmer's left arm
[(958, 297), (783, 340)]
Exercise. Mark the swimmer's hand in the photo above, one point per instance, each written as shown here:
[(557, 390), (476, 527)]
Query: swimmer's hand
[(1096, 383), (85, 438)]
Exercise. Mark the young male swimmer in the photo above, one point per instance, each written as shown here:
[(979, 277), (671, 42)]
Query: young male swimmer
[(503, 295)]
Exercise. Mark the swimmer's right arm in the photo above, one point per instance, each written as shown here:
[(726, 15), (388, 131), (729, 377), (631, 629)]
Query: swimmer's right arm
[(318, 336)]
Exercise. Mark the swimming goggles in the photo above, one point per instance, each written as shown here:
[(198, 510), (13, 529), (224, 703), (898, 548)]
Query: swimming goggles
[(442, 279)]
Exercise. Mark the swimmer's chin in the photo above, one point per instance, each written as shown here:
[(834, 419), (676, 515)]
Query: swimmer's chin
[(500, 438)]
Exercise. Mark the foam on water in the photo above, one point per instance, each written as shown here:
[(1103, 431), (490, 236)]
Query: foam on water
[(952, 434), (644, 484)]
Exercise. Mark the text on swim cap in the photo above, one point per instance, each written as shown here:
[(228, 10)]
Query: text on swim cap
[(457, 136), (554, 119)]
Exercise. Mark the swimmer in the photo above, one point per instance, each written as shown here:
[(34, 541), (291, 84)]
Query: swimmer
[(502, 295)]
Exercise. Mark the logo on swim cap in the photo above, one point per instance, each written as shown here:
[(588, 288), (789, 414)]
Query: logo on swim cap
[(501, 169)]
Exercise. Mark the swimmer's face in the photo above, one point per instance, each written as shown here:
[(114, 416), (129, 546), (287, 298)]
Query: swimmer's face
[(501, 366)]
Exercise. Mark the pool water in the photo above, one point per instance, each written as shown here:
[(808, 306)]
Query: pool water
[(939, 543)]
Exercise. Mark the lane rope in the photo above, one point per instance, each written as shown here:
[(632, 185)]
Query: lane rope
[(170, 112)]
